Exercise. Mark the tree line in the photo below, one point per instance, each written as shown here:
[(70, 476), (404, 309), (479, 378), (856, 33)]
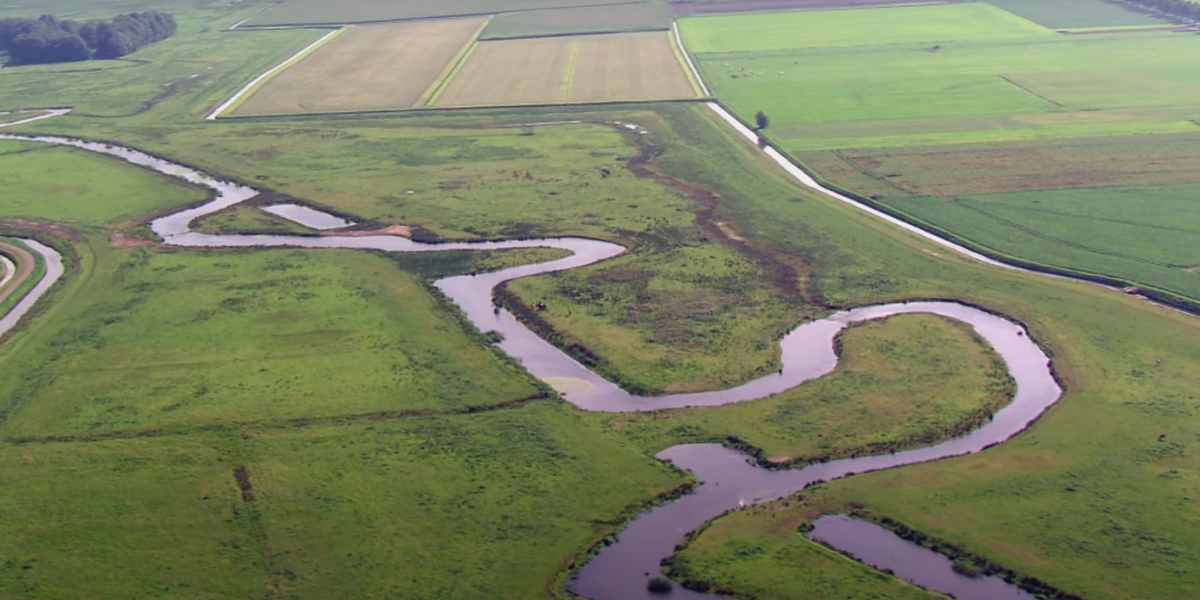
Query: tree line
[(48, 39), (1185, 10)]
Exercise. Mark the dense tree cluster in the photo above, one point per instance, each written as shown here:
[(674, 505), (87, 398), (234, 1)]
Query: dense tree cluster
[(50, 40), (1185, 10)]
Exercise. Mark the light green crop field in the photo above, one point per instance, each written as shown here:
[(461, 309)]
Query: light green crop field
[(1155, 226), (1074, 14), (588, 19), (931, 24), (104, 191), (302, 12), (1027, 113)]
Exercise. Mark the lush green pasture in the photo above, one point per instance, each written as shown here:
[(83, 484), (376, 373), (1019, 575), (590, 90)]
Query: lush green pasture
[(241, 219), (988, 114), (932, 24), (1144, 234), (43, 182), (181, 339), (149, 518), (1031, 128), (300, 12), (881, 398), (1076, 14), (968, 79), (489, 505), (760, 554), (589, 19), (493, 505)]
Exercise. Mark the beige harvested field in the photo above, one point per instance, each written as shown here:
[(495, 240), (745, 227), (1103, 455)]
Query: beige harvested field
[(588, 68), (368, 67)]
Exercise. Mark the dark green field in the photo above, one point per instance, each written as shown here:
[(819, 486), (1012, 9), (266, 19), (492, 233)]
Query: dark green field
[(212, 424)]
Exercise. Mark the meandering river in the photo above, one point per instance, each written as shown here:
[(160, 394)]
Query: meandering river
[(620, 571)]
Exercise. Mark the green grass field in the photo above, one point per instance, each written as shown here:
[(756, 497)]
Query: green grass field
[(268, 333), (1004, 111), (104, 192), (933, 24), (589, 19)]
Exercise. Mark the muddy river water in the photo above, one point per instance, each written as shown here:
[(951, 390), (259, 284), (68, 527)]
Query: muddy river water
[(621, 570)]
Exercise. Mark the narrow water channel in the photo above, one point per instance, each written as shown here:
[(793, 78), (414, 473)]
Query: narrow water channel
[(884, 550), (621, 571)]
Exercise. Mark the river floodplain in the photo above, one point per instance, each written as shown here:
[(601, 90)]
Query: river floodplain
[(505, 500)]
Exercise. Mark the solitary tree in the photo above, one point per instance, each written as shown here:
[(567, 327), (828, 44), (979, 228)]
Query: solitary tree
[(762, 120)]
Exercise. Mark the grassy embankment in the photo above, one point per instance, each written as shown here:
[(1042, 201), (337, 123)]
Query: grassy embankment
[(907, 113)]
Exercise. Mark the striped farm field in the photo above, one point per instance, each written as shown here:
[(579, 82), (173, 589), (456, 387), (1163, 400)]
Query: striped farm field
[(369, 67), (592, 68)]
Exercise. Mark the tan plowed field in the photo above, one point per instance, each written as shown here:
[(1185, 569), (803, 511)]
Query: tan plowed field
[(590, 68), (368, 67)]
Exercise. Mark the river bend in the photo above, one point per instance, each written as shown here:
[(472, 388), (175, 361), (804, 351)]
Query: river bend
[(620, 571)]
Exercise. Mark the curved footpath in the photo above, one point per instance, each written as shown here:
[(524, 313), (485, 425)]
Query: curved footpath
[(621, 570)]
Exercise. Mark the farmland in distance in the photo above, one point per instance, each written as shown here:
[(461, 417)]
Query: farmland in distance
[(315, 12), (932, 111), (592, 68), (588, 19), (367, 67)]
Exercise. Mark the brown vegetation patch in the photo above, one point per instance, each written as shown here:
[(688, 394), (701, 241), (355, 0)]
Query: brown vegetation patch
[(949, 171), (400, 230), (120, 240)]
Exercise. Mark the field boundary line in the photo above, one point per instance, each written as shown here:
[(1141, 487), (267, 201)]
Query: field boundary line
[(691, 66), (254, 83), (455, 68), (1029, 91), (430, 95), (569, 76), (447, 109)]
